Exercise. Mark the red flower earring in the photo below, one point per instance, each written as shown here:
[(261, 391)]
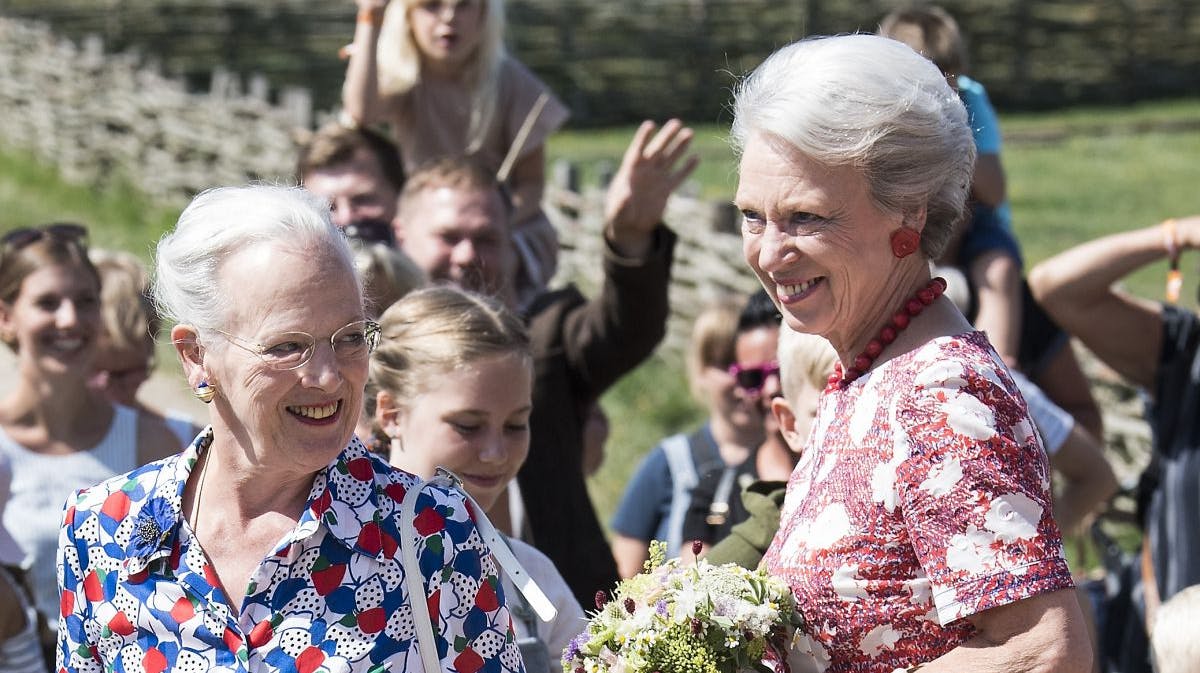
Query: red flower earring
[(905, 242)]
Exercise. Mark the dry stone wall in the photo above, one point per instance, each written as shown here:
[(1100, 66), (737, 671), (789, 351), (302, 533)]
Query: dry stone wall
[(98, 116)]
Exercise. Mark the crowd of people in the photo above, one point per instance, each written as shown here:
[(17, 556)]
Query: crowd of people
[(401, 413)]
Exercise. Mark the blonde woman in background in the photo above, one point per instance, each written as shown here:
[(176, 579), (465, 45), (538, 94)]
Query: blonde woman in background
[(659, 492), (58, 433), (452, 381), (437, 72)]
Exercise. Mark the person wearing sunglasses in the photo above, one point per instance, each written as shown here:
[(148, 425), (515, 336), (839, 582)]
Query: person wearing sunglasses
[(658, 495), (273, 542), (58, 434), (716, 503)]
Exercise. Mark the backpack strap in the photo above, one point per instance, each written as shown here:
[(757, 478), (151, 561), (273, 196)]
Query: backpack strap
[(683, 479), (415, 580)]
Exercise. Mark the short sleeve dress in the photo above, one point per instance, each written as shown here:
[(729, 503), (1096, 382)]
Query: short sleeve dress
[(923, 497)]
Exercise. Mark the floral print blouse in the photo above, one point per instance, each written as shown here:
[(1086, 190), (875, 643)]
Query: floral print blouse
[(922, 497), (138, 593)]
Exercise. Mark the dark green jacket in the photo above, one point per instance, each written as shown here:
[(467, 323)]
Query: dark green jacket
[(748, 540)]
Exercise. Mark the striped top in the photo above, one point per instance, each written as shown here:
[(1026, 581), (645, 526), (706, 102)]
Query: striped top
[(22, 653), (41, 485)]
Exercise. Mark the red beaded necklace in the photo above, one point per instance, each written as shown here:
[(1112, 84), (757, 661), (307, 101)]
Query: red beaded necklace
[(900, 320)]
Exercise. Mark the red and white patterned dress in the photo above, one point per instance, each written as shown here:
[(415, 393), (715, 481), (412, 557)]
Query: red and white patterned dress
[(923, 497)]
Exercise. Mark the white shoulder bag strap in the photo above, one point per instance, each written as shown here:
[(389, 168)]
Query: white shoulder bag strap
[(415, 580)]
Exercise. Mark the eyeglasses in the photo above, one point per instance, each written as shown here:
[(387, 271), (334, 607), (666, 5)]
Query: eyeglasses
[(292, 350), (61, 231), (752, 378)]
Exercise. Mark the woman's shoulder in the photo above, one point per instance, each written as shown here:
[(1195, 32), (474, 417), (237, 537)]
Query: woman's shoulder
[(135, 485), (438, 506), (962, 362)]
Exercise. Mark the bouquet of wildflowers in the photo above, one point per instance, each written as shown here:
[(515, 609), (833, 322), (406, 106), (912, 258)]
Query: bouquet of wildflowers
[(676, 618)]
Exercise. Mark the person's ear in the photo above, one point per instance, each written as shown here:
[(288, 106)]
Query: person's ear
[(6, 328), (398, 230), (787, 424), (914, 218), (186, 340), (387, 413)]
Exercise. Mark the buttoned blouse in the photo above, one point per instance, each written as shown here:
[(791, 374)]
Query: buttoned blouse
[(140, 595)]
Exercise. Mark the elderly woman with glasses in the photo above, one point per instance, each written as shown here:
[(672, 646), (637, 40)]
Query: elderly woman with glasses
[(275, 542), (58, 434), (916, 531)]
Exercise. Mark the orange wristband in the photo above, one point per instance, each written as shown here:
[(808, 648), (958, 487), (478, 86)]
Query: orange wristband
[(372, 16), (1174, 276)]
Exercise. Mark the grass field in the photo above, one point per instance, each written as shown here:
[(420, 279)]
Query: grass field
[(1073, 175)]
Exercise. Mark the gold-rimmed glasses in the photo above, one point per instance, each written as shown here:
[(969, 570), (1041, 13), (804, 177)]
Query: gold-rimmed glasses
[(292, 350)]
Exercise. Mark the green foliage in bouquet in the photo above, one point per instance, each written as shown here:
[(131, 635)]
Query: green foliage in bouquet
[(677, 618)]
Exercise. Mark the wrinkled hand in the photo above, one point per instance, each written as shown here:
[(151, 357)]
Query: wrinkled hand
[(650, 170)]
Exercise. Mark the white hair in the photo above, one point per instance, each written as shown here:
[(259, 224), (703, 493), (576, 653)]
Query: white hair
[(398, 62), (1173, 641), (220, 222), (876, 105)]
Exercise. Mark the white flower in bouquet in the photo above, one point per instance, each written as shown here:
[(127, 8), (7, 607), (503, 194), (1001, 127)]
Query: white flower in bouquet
[(675, 618)]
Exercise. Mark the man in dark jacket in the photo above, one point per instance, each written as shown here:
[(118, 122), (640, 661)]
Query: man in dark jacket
[(453, 222)]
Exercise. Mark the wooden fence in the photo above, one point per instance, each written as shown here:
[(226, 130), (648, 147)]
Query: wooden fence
[(96, 115), (620, 61)]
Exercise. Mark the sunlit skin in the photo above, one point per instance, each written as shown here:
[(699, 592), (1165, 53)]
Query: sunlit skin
[(447, 33), (723, 399), (821, 247), (756, 347), (55, 320), (473, 420), (459, 235), (804, 407), (357, 190), (285, 289), (121, 370)]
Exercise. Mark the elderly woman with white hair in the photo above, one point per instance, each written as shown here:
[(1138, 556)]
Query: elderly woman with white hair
[(275, 542), (916, 531)]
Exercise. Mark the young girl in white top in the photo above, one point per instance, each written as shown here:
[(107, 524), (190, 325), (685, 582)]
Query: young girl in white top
[(451, 383), (437, 72), (59, 434)]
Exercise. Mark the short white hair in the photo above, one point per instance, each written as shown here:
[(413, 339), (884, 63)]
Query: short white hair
[(873, 104), (220, 222), (1174, 644)]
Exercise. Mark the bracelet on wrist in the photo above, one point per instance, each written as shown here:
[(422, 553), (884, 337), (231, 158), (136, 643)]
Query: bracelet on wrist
[(1174, 275)]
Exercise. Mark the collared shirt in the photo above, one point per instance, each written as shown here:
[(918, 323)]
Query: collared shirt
[(140, 595)]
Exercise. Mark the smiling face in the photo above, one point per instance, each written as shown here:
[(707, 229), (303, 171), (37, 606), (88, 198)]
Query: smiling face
[(459, 235), (298, 419), (54, 320), (722, 398), (817, 243), (755, 348), (472, 420), (446, 32)]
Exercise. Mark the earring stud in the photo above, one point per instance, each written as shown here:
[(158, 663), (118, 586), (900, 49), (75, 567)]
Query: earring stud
[(204, 392)]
